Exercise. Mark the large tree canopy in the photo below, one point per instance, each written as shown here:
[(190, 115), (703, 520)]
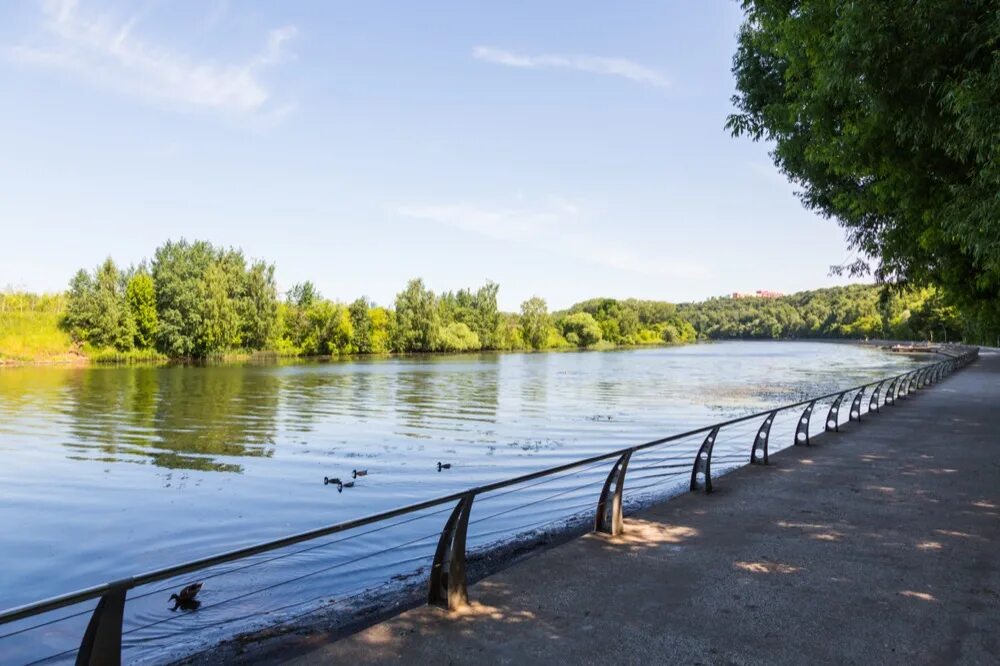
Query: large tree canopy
[(887, 114)]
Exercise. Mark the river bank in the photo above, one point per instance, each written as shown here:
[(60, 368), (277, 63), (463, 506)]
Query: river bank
[(112, 357)]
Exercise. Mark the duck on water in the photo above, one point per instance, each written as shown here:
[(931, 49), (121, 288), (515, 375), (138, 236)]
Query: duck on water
[(185, 599)]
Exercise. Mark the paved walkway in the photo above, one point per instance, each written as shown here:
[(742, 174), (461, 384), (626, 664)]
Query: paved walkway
[(876, 545)]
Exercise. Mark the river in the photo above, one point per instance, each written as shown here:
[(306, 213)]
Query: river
[(111, 471)]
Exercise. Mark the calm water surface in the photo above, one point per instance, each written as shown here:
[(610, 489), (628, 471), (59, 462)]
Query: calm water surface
[(108, 472)]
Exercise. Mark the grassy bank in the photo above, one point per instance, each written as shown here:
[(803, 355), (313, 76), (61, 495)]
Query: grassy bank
[(30, 332)]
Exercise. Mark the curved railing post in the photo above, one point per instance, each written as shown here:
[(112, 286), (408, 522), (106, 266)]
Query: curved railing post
[(448, 584), (612, 522), (890, 393), (703, 462), (758, 452), (832, 420), (102, 642), (873, 403), (855, 413), (802, 427)]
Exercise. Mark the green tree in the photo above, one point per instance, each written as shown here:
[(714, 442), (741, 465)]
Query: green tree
[(457, 337), (382, 330), (342, 333), (113, 325), (298, 300), (535, 322), (361, 322), (81, 306), (580, 328), (141, 299), (303, 294), (178, 269), (316, 334), (97, 312), (670, 334), (884, 113), (417, 318), (259, 306), (487, 317), (218, 312)]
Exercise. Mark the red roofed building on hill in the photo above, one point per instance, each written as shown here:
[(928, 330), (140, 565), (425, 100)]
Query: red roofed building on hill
[(760, 293)]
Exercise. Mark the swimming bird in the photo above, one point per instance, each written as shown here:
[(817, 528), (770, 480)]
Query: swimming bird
[(327, 481), (341, 485), (185, 599), (187, 606), (359, 472), (444, 466)]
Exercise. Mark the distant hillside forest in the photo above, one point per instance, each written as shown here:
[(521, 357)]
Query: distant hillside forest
[(194, 300), (854, 311)]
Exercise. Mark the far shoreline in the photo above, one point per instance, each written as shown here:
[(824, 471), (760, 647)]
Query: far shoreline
[(82, 360)]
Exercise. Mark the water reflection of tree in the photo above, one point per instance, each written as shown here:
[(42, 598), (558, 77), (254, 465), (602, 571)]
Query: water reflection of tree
[(320, 402), (177, 418), (447, 394), (534, 383)]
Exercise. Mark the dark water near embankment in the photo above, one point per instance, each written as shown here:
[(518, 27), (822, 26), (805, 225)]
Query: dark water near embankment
[(108, 472)]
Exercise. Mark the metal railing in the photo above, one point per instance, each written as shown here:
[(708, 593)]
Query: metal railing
[(102, 640)]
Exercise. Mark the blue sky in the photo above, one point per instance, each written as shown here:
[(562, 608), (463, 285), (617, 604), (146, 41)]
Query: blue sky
[(565, 149)]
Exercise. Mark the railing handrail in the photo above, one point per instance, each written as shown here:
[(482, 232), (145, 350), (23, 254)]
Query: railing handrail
[(97, 591)]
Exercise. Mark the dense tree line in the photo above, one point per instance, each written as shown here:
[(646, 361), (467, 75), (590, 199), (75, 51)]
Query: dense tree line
[(855, 311), (420, 321), (192, 300), (625, 322), (885, 116), (195, 300)]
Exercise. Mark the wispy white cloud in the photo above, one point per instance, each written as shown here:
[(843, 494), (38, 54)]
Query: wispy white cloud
[(107, 52), (507, 224), (628, 69), (559, 225)]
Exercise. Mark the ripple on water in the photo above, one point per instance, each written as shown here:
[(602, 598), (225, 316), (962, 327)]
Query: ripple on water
[(111, 471)]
